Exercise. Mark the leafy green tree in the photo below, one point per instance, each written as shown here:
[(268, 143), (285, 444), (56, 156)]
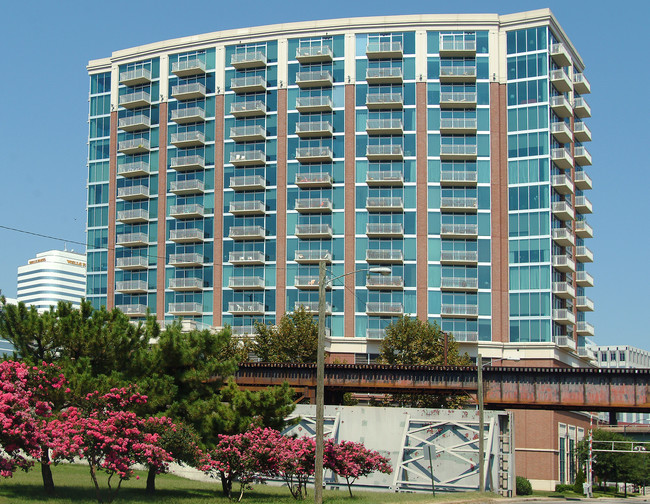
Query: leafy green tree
[(294, 339), (411, 341), (609, 466)]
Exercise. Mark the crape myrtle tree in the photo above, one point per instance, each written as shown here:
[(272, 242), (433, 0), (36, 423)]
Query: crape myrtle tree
[(411, 341), (293, 339)]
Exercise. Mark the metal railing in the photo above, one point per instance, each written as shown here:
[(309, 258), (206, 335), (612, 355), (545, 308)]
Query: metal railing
[(133, 214), (447, 44), (314, 77), (243, 181), (188, 112), (312, 306), (314, 127), (136, 310), (458, 283), (314, 51), (383, 73), (459, 309), (384, 203), (186, 258), (377, 228), (254, 130), (459, 229), (309, 282), (250, 256), (136, 73), (468, 203), (312, 255), (459, 255), (565, 341), (135, 167), (458, 150), (389, 308), (189, 209), (314, 152), (314, 102), (247, 206), (384, 255), (247, 107), (186, 283), (125, 238), (313, 229), (133, 144), (131, 285), (458, 123), (457, 71), (192, 64), (186, 234), (378, 99), (255, 232), (385, 150), (134, 262), (134, 120), (465, 336), (246, 282), (384, 281), (252, 81), (314, 204), (245, 307), (186, 185), (181, 308), (250, 156), (384, 124), (458, 176), (130, 191), (384, 47), (188, 88), (384, 176), (313, 179), (193, 160), (468, 97), (137, 96), (188, 136), (375, 333), (248, 57)]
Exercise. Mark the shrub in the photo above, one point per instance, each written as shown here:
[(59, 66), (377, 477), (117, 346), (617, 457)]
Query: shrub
[(580, 479), (523, 486), (561, 488)]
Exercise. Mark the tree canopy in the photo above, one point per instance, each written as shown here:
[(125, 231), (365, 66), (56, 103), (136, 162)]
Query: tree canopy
[(293, 339)]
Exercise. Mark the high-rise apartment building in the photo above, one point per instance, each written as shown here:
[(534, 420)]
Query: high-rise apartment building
[(450, 148), (50, 277)]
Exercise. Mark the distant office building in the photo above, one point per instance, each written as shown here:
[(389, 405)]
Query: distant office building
[(51, 277)]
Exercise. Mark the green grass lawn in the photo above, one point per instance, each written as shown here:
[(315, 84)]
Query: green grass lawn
[(73, 485)]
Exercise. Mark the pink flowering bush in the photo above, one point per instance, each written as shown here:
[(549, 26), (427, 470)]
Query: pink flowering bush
[(351, 460), (297, 463)]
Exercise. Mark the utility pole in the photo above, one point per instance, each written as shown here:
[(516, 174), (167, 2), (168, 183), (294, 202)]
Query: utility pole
[(320, 387), (481, 440)]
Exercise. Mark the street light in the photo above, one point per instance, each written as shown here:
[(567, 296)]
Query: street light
[(320, 372), (481, 420)]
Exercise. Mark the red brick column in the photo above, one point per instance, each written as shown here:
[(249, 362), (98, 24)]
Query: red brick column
[(281, 215), (217, 275), (161, 261), (422, 233), (350, 212), (112, 201)]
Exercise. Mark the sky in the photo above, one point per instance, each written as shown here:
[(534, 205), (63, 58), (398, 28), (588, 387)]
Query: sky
[(44, 130)]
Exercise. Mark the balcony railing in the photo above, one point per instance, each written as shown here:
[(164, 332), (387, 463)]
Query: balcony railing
[(460, 151), (562, 184), (312, 307), (247, 207), (584, 279), (460, 284), (375, 334), (458, 99), (379, 308), (254, 132), (246, 308), (563, 211), (136, 192), (563, 236), (465, 73), (458, 125), (133, 310), (132, 216), (191, 309), (564, 263), (135, 100), (314, 154), (250, 84), (249, 59), (133, 169), (384, 127), (449, 204), (191, 235), (387, 230), (186, 259), (561, 80), (188, 67), (308, 104), (313, 231), (248, 158), (465, 336), (378, 50), (582, 132), (312, 256), (133, 146), (189, 211), (584, 230), (186, 284), (583, 303), (248, 108), (581, 107), (459, 310), (314, 79), (458, 230), (307, 180), (132, 263), (565, 342), (309, 282), (243, 331), (385, 152), (456, 47), (564, 290), (384, 75), (132, 239), (384, 282), (314, 54), (584, 328), (247, 182), (188, 139), (246, 283), (183, 187), (311, 129), (561, 106), (562, 132), (135, 76), (188, 115), (247, 232), (583, 181), (380, 256), (379, 101), (385, 204), (583, 205), (189, 91), (134, 123), (449, 177), (458, 256), (560, 55), (384, 178), (314, 205), (186, 163), (582, 156), (131, 286), (563, 316), (581, 83), (240, 257)]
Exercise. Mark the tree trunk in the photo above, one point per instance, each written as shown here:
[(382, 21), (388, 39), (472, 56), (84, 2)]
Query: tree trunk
[(226, 486), (93, 477), (46, 472), (151, 481)]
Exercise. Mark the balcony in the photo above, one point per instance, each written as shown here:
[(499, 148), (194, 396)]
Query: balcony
[(469, 257), (458, 284), (583, 205), (562, 158), (584, 279), (583, 181), (189, 91), (131, 286), (562, 184), (247, 232), (250, 84), (583, 303), (458, 73), (132, 239), (132, 263), (583, 229), (563, 211), (188, 67), (459, 230), (131, 193), (561, 106), (134, 216), (384, 127), (583, 254), (458, 125), (188, 115), (581, 108), (246, 308), (378, 282), (247, 208), (385, 152), (384, 101), (564, 341), (248, 158), (133, 169), (456, 47), (189, 235), (586, 353), (384, 230), (313, 231), (458, 178), (384, 309), (385, 178), (246, 258), (133, 146), (580, 84), (314, 79), (563, 316), (384, 204), (187, 163), (312, 256), (458, 204), (246, 283), (560, 55), (561, 132), (188, 139), (564, 263), (564, 290), (458, 99), (308, 104), (563, 237), (248, 183), (133, 310), (314, 154), (584, 328), (561, 80), (251, 133), (185, 260), (375, 334), (135, 76), (135, 122), (459, 310), (313, 129), (191, 211), (313, 180), (384, 256), (384, 75), (582, 156), (314, 205), (465, 336), (250, 59), (135, 100), (314, 54), (384, 50), (312, 307), (185, 309), (246, 331), (186, 187), (186, 284), (309, 282), (581, 131), (458, 152), (248, 109)]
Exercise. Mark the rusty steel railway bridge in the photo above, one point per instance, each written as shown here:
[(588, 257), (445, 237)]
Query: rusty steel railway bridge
[(590, 389)]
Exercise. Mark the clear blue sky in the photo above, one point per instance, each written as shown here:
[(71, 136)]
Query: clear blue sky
[(43, 132)]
